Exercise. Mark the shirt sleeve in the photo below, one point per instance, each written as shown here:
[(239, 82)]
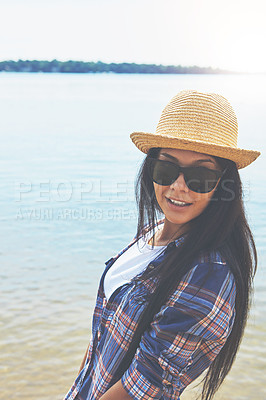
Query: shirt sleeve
[(185, 336)]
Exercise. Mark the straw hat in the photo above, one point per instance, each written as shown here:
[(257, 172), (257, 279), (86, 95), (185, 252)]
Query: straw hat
[(202, 122)]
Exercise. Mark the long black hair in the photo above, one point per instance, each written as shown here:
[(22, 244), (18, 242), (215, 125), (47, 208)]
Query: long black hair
[(222, 226)]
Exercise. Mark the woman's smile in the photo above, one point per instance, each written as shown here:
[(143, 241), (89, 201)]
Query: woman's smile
[(175, 203)]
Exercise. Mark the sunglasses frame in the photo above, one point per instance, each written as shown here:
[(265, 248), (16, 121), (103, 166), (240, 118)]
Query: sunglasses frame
[(218, 174)]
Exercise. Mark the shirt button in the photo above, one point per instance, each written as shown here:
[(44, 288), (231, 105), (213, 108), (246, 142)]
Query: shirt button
[(166, 383)]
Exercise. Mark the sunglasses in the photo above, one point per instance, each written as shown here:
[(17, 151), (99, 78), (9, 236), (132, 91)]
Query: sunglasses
[(198, 179)]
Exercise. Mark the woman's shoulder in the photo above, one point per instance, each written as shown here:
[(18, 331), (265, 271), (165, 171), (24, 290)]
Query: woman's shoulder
[(209, 281), (210, 269)]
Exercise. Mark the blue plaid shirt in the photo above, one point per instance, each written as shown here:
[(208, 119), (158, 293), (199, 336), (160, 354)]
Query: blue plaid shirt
[(184, 338)]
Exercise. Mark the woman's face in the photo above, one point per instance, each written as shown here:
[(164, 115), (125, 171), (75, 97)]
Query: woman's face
[(193, 203)]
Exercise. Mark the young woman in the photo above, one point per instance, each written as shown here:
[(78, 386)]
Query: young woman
[(174, 302)]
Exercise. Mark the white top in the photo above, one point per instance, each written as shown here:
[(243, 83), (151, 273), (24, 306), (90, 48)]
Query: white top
[(132, 262)]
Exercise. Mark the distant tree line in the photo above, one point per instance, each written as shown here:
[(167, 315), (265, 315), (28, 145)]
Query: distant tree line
[(94, 67)]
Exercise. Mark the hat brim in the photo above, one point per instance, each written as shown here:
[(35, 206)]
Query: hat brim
[(145, 141)]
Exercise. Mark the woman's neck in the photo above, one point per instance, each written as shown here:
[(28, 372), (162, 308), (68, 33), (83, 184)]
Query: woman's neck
[(168, 233)]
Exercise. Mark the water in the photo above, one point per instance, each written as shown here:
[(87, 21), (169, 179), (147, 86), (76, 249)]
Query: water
[(67, 205)]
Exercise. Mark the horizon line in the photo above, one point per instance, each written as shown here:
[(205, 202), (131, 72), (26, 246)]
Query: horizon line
[(159, 68)]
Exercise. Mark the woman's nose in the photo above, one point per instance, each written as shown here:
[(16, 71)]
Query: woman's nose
[(180, 183)]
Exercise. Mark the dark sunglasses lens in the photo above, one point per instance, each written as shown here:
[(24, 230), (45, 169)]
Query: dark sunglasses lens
[(201, 180), (163, 172), (198, 179)]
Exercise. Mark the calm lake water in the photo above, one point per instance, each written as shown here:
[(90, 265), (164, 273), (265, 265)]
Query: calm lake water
[(67, 170)]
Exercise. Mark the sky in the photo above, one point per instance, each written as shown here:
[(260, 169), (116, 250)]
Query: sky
[(227, 34)]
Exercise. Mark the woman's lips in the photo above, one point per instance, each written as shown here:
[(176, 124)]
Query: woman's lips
[(177, 204)]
